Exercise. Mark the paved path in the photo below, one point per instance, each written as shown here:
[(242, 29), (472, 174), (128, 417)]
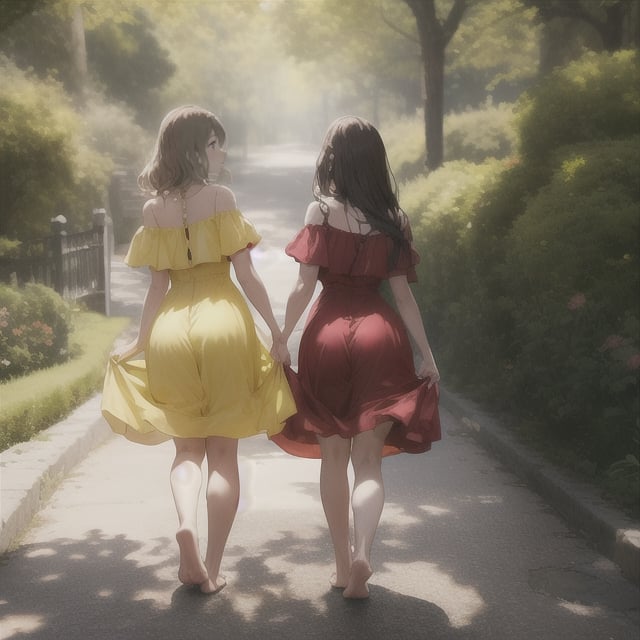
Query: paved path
[(464, 549)]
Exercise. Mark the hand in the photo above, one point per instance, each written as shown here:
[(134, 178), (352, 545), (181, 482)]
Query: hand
[(280, 352), (127, 351), (429, 370)]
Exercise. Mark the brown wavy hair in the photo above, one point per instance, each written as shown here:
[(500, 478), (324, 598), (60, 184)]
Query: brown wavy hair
[(180, 154), (353, 167)]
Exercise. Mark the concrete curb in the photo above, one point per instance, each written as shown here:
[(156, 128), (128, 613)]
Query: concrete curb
[(613, 534), (30, 471)]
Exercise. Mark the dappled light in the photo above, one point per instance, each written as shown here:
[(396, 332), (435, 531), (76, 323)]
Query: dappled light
[(511, 132)]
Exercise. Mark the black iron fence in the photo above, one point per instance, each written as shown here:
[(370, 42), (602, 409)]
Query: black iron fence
[(76, 265)]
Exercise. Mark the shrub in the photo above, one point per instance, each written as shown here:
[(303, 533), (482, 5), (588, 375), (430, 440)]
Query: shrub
[(594, 98), (46, 167), (474, 135), (111, 130), (36, 401), (404, 141), (572, 272), (34, 329), (443, 209), (478, 134)]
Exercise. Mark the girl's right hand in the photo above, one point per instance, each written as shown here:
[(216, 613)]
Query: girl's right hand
[(280, 352)]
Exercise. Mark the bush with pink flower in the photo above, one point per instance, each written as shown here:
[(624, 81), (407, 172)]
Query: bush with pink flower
[(529, 277), (34, 329)]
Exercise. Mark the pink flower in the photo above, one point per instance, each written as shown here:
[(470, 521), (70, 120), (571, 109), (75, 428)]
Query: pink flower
[(576, 301), (612, 342), (17, 332), (633, 362)]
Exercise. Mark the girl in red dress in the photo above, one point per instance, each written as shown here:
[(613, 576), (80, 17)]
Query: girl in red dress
[(358, 393)]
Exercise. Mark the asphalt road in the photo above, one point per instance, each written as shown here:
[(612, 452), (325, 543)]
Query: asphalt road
[(464, 549)]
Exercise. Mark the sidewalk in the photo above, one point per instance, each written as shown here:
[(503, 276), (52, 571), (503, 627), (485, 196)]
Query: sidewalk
[(30, 471)]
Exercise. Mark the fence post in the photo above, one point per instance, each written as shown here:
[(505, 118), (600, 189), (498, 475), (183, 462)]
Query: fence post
[(58, 233), (100, 233)]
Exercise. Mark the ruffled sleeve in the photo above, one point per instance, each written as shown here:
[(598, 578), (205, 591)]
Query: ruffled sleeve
[(235, 232), (408, 258), (310, 246), (210, 240)]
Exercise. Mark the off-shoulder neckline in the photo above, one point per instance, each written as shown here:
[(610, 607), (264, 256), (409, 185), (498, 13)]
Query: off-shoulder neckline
[(323, 225), (191, 224)]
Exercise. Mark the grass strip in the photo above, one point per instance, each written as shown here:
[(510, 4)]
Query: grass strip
[(34, 402)]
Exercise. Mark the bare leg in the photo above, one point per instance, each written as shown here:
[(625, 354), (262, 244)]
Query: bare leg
[(367, 502), (223, 493), (186, 478), (334, 492)]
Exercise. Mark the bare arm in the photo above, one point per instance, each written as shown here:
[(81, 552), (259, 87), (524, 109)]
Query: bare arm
[(410, 314), (254, 288), (300, 297), (155, 295)]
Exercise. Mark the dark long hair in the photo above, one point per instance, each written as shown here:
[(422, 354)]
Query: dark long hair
[(180, 154), (353, 157)]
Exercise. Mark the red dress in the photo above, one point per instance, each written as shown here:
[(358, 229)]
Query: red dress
[(355, 363)]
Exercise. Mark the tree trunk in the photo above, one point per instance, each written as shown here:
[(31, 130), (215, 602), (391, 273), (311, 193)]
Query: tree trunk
[(612, 32), (78, 52), (434, 37), (434, 106)]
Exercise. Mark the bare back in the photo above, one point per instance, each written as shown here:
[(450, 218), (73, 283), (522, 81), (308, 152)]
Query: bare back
[(202, 202)]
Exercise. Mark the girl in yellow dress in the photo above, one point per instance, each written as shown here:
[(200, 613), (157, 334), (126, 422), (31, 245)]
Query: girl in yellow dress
[(206, 380)]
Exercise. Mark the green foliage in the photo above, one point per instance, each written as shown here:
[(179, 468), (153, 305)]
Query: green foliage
[(443, 210), (46, 167), (34, 329), (497, 41), (473, 135), (623, 476), (126, 59), (8, 248), (112, 131), (572, 272), (529, 281), (39, 400), (478, 134), (594, 98)]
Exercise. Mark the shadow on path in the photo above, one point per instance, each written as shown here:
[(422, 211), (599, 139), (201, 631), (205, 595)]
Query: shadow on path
[(95, 588)]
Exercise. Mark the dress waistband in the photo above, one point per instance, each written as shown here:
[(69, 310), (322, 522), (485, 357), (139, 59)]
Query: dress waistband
[(201, 271)]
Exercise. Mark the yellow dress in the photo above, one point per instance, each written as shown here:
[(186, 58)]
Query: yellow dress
[(205, 371)]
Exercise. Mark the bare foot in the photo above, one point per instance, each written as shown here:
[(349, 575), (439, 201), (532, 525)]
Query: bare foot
[(192, 569), (337, 583), (357, 585), (213, 586)]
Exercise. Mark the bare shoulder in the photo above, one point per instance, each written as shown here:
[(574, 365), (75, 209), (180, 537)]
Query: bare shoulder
[(150, 212), (223, 198), (314, 214)]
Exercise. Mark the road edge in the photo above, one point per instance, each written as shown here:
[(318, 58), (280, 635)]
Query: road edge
[(614, 535)]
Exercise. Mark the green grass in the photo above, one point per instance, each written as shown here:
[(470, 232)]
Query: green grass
[(34, 402)]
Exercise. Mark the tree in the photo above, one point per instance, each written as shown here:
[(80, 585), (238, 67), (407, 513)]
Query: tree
[(79, 41), (610, 25), (434, 37), (126, 59), (13, 10), (375, 48)]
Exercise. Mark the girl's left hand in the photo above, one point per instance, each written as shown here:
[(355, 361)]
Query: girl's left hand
[(429, 370), (280, 352), (126, 352)]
